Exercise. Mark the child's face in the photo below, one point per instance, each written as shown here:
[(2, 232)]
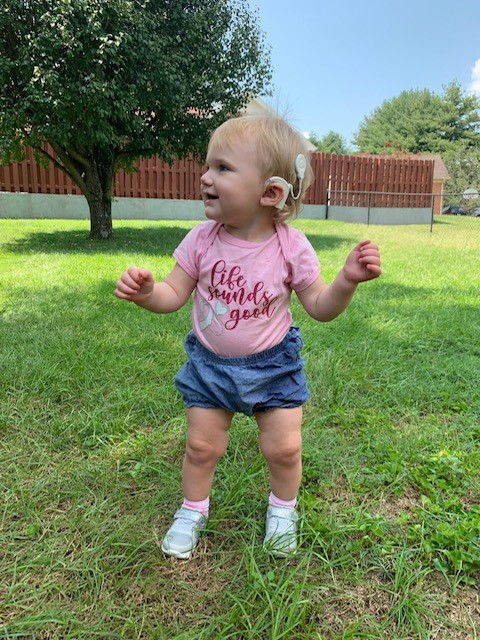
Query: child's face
[(233, 185)]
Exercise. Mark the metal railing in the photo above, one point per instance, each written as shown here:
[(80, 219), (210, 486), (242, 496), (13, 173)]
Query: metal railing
[(435, 202)]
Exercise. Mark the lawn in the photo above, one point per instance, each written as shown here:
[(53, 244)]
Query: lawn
[(92, 436)]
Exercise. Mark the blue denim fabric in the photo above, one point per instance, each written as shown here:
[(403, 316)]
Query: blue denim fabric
[(245, 384)]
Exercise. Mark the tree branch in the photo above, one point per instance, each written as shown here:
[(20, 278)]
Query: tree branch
[(70, 166), (53, 160)]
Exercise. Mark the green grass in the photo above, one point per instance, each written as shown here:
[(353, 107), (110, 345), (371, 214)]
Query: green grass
[(92, 436)]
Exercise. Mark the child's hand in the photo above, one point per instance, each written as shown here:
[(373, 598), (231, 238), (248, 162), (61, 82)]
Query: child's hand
[(363, 263), (135, 285)]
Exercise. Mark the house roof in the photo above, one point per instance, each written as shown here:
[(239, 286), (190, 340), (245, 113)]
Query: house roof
[(257, 106)]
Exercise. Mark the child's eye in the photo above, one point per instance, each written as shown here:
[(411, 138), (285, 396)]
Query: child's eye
[(222, 167)]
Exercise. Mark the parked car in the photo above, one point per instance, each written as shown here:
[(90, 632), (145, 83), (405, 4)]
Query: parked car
[(455, 210), (476, 212)]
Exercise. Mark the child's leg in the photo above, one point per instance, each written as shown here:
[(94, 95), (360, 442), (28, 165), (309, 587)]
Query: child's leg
[(207, 441), (281, 444)]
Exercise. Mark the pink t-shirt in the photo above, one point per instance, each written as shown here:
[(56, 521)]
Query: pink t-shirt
[(242, 298)]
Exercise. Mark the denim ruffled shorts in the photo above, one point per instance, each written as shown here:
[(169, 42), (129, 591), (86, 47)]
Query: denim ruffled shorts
[(245, 384)]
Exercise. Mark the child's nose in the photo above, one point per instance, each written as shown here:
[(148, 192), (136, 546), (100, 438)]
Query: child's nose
[(205, 177)]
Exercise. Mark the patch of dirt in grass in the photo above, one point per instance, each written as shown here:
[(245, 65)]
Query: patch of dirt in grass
[(460, 612), (469, 500), (366, 607), (336, 494), (342, 606), (393, 506), (189, 589)]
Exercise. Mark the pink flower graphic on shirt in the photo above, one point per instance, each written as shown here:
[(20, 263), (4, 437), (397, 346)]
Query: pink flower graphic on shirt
[(208, 315), (229, 286)]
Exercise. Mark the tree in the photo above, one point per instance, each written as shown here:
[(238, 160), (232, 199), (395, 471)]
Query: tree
[(105, 83), (332, 142), (462, 117), (463, 164), (420, 121), (409, 122)]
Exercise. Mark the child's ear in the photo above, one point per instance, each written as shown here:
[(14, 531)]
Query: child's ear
[(275, 193)]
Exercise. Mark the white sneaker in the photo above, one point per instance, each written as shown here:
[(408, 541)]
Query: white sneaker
[(182, 537), (281, 531)]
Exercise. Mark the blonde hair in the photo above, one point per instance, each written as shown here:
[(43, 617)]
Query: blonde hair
[(277, 144)]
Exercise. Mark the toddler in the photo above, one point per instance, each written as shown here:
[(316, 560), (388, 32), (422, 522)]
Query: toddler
[(243, 353)]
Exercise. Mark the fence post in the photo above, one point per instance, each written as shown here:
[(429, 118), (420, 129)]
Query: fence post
[(433, 209), (368, 210)]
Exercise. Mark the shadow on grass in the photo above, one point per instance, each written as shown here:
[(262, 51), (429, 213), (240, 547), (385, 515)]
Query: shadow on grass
[(321, 242), (161, 240)]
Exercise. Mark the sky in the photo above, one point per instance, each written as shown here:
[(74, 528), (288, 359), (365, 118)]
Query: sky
[(335, 61)]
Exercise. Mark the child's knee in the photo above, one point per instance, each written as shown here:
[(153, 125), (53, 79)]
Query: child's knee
[(199, 451), (283, 453)]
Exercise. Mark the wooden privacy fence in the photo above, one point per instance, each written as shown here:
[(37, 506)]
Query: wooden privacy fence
[(371, 181), (154, 179), (345, 180)]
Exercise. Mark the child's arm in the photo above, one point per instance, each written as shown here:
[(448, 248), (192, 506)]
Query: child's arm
[(138, 286), (325, 302)]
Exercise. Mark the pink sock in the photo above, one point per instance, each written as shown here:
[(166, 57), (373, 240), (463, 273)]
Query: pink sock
[(273, 501), (201, 505)]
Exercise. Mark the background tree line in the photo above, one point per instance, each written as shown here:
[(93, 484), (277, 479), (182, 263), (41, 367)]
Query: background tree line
[(421, 121)]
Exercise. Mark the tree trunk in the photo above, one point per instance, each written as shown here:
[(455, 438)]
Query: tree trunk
[(98, 181), (101, 227), (92, 169)]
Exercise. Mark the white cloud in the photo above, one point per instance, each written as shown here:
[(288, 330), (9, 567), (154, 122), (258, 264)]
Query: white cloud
[(475, 84)]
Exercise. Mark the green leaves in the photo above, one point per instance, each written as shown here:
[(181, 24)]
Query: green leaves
[(332, 142), (141, 77), (420, 121), (123, 79)]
